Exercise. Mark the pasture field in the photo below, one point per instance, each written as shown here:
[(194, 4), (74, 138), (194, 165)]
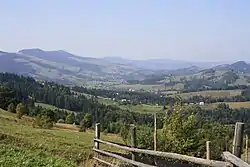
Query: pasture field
[(213, 93), (51, 107), (62, 146), (233, 105), (155, 87), (141, 108), (138, 87)]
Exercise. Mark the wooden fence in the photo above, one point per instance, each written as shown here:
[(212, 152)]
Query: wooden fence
[(230, 160)]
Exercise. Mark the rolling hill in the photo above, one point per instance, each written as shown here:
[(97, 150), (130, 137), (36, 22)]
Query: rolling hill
[(193, 78), (112, 72), (162, 64), (64, 67)]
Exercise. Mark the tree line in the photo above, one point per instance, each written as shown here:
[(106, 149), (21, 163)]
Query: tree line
[(134, 97), (19, 89)]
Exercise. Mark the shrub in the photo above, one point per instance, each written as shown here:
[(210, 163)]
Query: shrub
[(85, 123), (11, 108), (20, 110), (70, 119), (60, 121), (43, 122)]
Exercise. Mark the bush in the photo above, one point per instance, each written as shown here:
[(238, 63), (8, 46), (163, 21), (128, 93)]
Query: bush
[(60, 121), (43, 122), (85, 123), (82, 128), (11, 108), (70, 119), (20, 110)]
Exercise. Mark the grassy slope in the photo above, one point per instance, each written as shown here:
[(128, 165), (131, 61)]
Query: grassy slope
[(231, 105), (213, 93), (48, 106), (142, 108), (20, 143)]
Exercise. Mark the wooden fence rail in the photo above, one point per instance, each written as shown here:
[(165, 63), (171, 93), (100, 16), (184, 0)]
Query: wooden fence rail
[(231, 160), (195, 160), (236, 161)]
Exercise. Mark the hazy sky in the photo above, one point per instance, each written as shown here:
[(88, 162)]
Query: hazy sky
[(178, 29)]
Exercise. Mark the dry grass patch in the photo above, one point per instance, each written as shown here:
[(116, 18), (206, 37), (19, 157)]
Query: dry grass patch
[(213, 93), (56, 144), (232, 105)]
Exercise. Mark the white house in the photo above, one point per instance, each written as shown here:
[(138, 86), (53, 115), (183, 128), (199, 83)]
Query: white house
[(201, 103)]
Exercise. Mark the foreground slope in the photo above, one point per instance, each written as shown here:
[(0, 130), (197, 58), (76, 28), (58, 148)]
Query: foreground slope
[(23, 145)]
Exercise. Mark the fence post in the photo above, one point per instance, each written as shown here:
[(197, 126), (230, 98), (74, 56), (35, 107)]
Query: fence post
[(155, 132), (246, 154), (238, 139), (133, 140), (97, 135), (208, 150)]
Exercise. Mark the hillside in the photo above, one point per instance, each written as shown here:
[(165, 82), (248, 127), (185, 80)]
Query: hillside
[(194, 79), (117, 73), (64, 67), (162, 64), (52, 124), (70, 106), (23, 145)]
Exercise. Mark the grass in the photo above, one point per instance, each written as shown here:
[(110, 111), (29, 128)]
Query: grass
[(141, 108), (22, 157), (233, 105), (213, 93), (155, 87), (137, 86), (51, 107), (23, 145)]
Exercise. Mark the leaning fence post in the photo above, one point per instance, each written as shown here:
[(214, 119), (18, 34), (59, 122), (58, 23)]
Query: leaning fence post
[(155, 132), (97, 135), (238, 139), (246, 154), (208, 150), (133, 140)]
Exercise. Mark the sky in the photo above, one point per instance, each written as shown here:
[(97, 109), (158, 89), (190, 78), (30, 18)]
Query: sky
[(203, 30)]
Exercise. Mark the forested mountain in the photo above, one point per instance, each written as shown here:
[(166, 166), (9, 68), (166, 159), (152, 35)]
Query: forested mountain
[(16, 89)]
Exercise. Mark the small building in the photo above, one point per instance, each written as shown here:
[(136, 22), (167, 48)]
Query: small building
[(202, 103)]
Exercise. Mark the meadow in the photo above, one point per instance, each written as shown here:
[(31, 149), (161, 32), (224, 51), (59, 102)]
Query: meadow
[(213, 93), (141, 108), (232, 105), (62, 146), (51, 107)]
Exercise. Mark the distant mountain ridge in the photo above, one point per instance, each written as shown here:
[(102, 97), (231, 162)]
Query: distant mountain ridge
[(63, 67), (67, 68), (239, 66), (160, 64)]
